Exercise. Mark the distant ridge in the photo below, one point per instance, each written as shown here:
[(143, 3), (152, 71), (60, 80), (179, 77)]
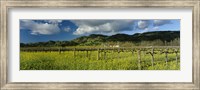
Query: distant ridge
[(98, 39), (137, 37)]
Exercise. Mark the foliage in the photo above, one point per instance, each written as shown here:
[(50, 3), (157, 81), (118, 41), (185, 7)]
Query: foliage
[(83, 61), (159, 38), (49, 44)]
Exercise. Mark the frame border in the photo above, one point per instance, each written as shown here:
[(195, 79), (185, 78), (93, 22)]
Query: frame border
[(4, 45)]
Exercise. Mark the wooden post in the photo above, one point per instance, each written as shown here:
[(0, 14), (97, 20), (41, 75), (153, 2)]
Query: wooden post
[(111, 56), (98, 54), (59, 50), (87, 53), (104, 55), (166, 56), (139, 59), (152, 56), (132, 51), (144, 52), (165, 43), (176, 51), (118, 53), (74, 52)]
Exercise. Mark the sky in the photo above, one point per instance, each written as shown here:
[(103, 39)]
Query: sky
[(66, 30)]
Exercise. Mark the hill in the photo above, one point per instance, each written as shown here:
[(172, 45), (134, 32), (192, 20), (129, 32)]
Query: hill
[(138, 37), (147, 38)]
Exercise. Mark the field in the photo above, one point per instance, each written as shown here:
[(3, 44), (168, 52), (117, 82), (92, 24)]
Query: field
[(134, 58)]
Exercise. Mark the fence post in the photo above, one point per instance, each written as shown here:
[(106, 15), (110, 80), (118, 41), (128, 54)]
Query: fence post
[(132, 51), (112, 54), (60, 50), (104, 55), (118, 53), (87, 53), (166, 56), (90, 54), (176, 51), (139, 59), (74, 52), (98, 54), (152, 56)]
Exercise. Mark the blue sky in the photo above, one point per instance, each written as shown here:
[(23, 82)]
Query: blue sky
[(52, 29)]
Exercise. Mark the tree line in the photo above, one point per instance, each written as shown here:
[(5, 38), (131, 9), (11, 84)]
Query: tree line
[(175, 42)]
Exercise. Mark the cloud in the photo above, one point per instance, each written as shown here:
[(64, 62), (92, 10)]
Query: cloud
[(67, 29), (49, 27), (161, 22), (146, 29), (53, 21), (102, 26), (156, 28), (36, 28), (143, 24), (91, 22)]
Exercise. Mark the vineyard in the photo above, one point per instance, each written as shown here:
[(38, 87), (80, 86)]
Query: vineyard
[(98, 58)]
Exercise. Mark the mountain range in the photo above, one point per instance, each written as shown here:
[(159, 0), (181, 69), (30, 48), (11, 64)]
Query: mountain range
[(97, 39), (138, 37)]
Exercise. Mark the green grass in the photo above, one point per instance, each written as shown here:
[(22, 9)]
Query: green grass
[(112, 61)]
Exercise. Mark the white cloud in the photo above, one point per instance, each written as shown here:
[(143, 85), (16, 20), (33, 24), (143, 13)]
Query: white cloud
[(102, 26), (40, 28), (52, 21), (91, 22), (156, 28), (67, 29), (48, 27), (146, 29), (161, 22), (143, 24)]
